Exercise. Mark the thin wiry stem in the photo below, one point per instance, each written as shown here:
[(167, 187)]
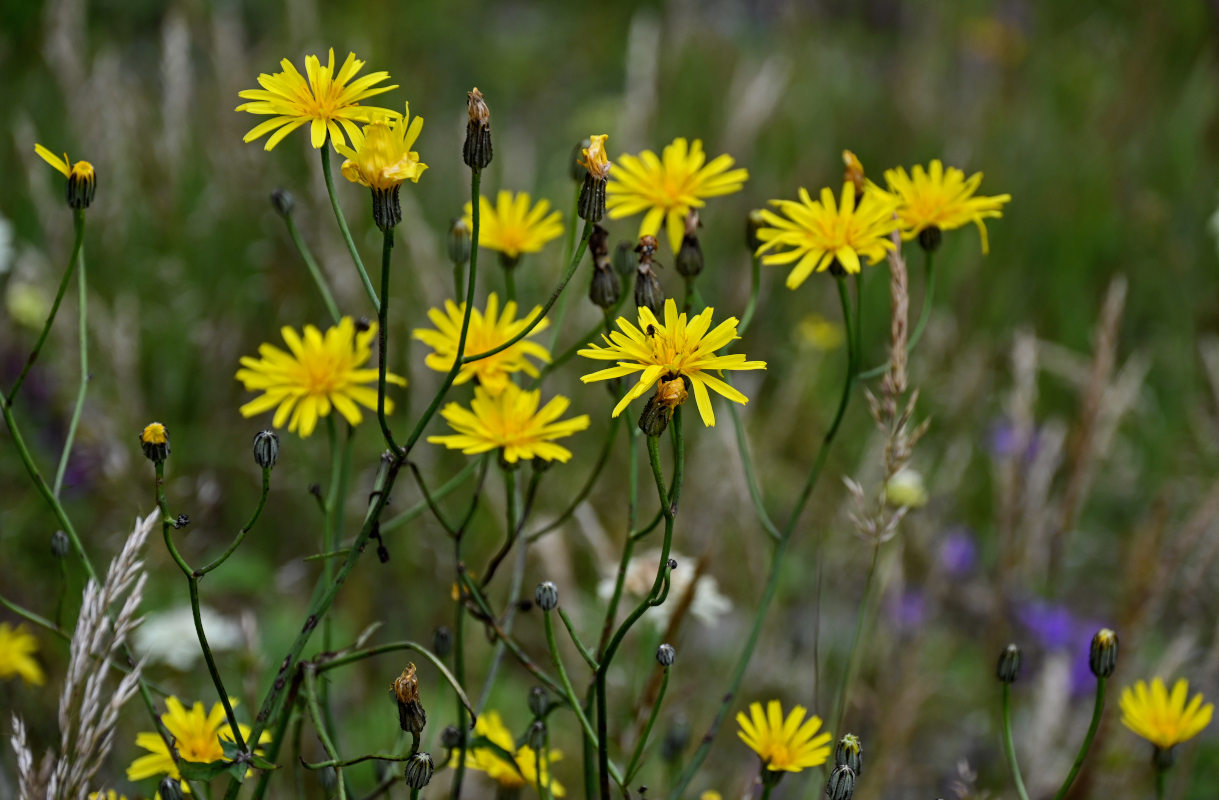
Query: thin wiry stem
[(324, 152), (314, 270), (1009, 748), (1097, 709), (82, 311)]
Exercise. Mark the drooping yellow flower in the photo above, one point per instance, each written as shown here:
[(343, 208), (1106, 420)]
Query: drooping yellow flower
[(1162, 718), (668, 187), (380, 157), (498, 769), (196, 736), (788, 744), (668, 350), (813, 234), (82, 180), (511, 227), (488, 329), (319, 373), (943, 199), (17, 648), (321, 98), (512, 422)]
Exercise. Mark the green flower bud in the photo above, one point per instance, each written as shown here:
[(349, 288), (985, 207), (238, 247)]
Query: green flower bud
[(266, 449), (419, 770), (849, 753), (841, 785), (1009, 664), (666, 655), (1102, 656), (546, 596)]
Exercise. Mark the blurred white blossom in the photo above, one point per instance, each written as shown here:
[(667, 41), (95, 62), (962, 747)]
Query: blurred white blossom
[(169, 637), (707, 606)]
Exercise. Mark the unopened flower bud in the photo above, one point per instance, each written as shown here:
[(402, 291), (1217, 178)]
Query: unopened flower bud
[(411, 716), (666, 655), (459, 241), (849, 753), (169, 789), (648, 291), (929, 238), (442, 641), (1009, 664), (537, 735), (283, 202), (605, 287), (266, 449), (154, 440), (476, 151), (60, 544), (624, 258), (539, 701), (753, 223), (841, 785), (689, 260), (419, 770), (451, 737), (546, 596), (1102, 657), (654, 418)]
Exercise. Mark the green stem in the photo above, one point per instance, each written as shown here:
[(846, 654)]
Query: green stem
[(568, 691), (569, 244), (575, 639), (387, 249), (755, 282), (278, 736), (311, 700), (416, 510), (324, 152), (1161, 772), (241, 534), (1009, 747), (766, 790), (924, 315), (509, 642), (1097, 709), (582, 341), (459, 278), (602, 459), (77, 247), (84, 366), (647, 729), (611, 611), (510, 284), (311, 264), (459, 619)]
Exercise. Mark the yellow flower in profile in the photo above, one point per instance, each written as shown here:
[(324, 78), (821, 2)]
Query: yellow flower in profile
[(319, 373), (380, 157), (498, 769), (788, 744), (512, 422), (196, 736), (943, 199), (488, 330), (668, 350), (323, 99), (1162, 718), (82, 180), (511, 227), (17, 648), (669, 186), (814, 234)]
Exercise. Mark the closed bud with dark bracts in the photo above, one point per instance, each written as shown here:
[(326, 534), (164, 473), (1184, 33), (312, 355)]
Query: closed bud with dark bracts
[(1009, 664)]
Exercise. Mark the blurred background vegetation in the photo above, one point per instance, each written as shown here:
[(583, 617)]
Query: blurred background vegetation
[(1100, 119)]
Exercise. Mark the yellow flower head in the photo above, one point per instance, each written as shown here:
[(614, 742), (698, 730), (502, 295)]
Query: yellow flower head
[(526, 771), (511, 227), (154, 433), (789, 744), (594, 158), (814, 234), (512, 422), (939, 198), (17, 648), (321, 371), (324, 99), (488, 329), (669, 186), (381, 157), (196, 735), (1162, 718), (82, 180), (670, 349), (820, 333)]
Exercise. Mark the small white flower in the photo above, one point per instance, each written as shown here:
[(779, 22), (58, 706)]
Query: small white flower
[(169, 637), (707, 606)]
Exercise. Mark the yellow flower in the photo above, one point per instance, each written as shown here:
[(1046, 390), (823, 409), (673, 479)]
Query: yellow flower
[(669, 186), (939, 198), (594, 158), (82, 180), (109, 794), (815, 234), (17, 648), (511, 227), (1161, 718), (820, 333), (320, 372), (323, 99), (381, 156), (710, 795), (510, 420), (196, 735), (491, 726), (154, 433), (488, 330), (676, 347), (790, 744)]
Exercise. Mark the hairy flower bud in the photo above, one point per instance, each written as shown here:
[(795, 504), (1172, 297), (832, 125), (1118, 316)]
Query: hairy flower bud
[(476, 151), (546, 596), (451, 737), (169, 789), (624, 258), (537, 735), (60, 544), (689, 259), (666, 655), (419, 770), (539, 701), (841, 785), (459, 241), (849, 752), (266, 449), (442, 641), (1102, 656), (283, 202), (1009, 664)]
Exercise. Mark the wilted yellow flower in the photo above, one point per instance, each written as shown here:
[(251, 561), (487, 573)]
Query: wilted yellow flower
[(488, 330), (677, 347), (17, 648), (196, 736), (319, 373), (510, 421), (813, 234), (788, 744), (511, 227), (491, 726), (1163, 719), (380, 157), (943, 199), (669, 186), (594, 158), (323, 99)]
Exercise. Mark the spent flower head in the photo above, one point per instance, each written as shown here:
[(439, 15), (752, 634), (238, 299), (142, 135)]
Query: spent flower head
[(196, 735), (666, 188), (816, 235), (941, 199), (512, 226), (328, 101), (512, 422), (319, 372), (788, 744), (1161, 717), (17, 649), (677, 347)]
